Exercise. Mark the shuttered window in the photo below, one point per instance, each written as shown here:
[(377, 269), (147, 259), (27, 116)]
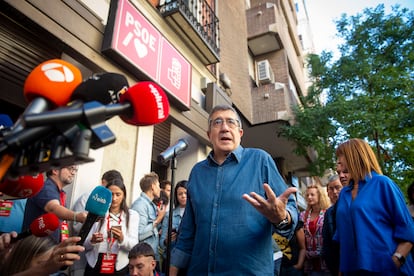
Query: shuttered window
[(160, 143), (23, 46)]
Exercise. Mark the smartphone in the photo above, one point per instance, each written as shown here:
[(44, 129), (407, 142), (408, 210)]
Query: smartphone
[(117, 226)]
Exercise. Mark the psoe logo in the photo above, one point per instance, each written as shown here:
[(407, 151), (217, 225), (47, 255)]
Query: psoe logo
[(99, 199)]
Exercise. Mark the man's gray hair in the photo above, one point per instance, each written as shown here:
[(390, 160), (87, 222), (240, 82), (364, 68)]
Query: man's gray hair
[(333, 177)]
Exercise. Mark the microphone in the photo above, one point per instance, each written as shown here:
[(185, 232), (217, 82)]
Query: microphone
[(49, 84), (173, 151), (97, 205), (149, 104), (101, 87), (42, 226), (14, 142), (93, 88), (143, 104), (21, 187)]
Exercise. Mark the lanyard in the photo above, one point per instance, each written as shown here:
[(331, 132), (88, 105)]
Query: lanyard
[(62, 198), (64, 227), (111, 240)]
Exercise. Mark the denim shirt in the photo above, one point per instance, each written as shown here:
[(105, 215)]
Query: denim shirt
[(221, 233), (147, 211)]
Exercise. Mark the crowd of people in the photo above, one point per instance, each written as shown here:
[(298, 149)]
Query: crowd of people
[(235, 215)]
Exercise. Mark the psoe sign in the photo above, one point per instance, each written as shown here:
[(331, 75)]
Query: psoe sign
[(137, 45)]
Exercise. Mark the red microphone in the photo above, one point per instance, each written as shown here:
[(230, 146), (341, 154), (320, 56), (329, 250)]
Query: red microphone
[(21, 187), (42, 226), (149, 104)]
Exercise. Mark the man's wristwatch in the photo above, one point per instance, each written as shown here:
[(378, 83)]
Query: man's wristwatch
[(399, 257), (284, 223)]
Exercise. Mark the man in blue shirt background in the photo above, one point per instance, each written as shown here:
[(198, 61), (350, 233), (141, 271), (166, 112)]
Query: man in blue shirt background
[(233, 198), (150, 215), (51, 199)]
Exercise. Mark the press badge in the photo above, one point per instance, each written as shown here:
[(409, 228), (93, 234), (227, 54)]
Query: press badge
[(108, 263), (5, 208)]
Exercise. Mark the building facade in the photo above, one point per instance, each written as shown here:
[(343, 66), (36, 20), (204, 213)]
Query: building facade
[(202, 52)]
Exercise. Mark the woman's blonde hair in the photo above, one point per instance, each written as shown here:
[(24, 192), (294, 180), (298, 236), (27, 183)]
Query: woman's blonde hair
[(360, 158), (322, 198)]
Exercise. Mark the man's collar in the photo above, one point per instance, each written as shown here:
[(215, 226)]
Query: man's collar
[(55, 182), (144, 195), (237, 154)]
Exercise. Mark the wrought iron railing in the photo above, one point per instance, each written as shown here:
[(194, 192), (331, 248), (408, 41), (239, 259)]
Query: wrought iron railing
[(200, 15)]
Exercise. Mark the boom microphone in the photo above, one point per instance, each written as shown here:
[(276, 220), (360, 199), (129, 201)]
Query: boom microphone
[(21, 187), (173, 151), (42, 226), (143, 104), (97, 205)]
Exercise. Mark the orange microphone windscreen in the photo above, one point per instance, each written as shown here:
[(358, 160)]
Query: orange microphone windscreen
[(54, 80)]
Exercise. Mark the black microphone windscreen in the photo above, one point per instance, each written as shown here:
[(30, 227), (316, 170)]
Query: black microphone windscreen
[(102, 87)]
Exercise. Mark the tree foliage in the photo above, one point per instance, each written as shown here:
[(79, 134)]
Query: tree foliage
[(367, 92)]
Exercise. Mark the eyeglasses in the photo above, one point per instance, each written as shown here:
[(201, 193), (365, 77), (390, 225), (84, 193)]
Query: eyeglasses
[(230, 122), (72, 169)]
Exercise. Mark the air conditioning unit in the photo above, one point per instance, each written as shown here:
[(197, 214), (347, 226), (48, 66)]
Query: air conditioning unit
[(265, 72)]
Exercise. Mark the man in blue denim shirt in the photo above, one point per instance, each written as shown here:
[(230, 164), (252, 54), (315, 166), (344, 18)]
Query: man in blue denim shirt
[(231, 205)]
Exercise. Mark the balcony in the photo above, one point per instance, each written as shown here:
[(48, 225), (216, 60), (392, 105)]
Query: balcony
[(263, 29), (272, 102), (196, 23)]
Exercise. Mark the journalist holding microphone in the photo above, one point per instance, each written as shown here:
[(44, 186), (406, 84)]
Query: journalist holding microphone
[(52, 199)]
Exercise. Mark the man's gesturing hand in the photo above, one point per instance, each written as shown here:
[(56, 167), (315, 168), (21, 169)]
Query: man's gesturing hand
[(273, 208)]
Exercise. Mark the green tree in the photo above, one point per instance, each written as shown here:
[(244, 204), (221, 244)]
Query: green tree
[(367, 92)]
